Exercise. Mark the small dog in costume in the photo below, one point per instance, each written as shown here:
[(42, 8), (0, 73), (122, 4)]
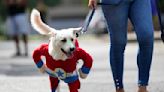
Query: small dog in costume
[(62, 54)]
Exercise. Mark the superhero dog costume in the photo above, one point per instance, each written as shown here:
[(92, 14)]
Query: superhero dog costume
[(62, 54)]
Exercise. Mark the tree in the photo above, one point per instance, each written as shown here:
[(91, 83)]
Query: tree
[(49, 3), (31, 4), (2, 11)]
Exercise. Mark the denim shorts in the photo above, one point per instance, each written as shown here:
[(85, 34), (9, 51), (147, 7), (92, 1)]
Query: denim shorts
[(18, 24)]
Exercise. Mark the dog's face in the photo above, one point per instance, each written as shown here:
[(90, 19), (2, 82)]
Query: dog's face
[(62, 42)]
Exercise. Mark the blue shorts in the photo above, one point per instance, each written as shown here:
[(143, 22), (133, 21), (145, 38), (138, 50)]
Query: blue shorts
[(18, 24)]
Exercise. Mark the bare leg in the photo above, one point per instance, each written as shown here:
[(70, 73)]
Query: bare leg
[(120, 90), (142, 89), (25, 40), (16, 40)]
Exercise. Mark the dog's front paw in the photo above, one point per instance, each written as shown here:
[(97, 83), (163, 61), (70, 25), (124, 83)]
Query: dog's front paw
[(43, 69), (82, 75)]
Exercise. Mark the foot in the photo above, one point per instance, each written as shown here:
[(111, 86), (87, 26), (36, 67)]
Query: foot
[(16, 54), (142, 89), (120, 90), (26, 54)]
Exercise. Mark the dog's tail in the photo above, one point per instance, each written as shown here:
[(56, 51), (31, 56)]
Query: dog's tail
[(38, 24)]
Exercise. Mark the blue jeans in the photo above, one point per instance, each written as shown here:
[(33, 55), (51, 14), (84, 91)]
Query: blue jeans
[(139, 12)]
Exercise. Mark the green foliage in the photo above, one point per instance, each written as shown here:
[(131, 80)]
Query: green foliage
[(31, 4), (49, 3), (85, 2), (2, 11), (52, 3)]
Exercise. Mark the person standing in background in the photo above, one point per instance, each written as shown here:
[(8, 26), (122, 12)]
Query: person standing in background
[(17, 23), (116, 14)]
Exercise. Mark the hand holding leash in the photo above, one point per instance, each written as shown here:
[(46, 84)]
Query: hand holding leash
[(92, 4)]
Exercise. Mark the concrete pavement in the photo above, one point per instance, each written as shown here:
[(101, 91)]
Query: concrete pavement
[(20, 74)]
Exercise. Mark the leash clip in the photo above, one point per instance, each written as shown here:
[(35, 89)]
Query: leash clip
[(87, 22)]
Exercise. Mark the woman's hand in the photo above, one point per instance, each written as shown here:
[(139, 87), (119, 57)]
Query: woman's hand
[(92, 4)]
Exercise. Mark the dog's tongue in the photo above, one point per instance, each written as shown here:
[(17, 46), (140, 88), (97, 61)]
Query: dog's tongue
[(69, 54)]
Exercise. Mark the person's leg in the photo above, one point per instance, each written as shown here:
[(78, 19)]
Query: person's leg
[(25, 40), (116, 18), (141, 17), (16, 36), (16, 40), (12, 31), (23, 29)]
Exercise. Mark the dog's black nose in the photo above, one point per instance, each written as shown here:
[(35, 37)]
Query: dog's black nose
[(72, 49)]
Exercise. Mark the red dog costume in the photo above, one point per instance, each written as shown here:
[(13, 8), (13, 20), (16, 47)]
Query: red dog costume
[(65, 70)]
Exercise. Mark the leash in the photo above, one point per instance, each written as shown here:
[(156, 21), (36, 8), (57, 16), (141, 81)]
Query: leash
[(87, 21), (89, 18), (160, 19)]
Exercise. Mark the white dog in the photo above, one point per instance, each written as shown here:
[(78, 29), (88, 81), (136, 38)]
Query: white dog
[(61, 54), (62, 42)]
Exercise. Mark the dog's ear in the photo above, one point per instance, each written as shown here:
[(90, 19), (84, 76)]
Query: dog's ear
[(52, 34), (38, 24), (76, 31)]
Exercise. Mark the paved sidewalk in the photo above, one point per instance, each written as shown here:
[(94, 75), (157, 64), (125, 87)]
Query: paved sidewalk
[(21, 75)]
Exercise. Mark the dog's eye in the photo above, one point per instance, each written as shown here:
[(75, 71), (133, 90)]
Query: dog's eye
[(72, 39), (63, 40)]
